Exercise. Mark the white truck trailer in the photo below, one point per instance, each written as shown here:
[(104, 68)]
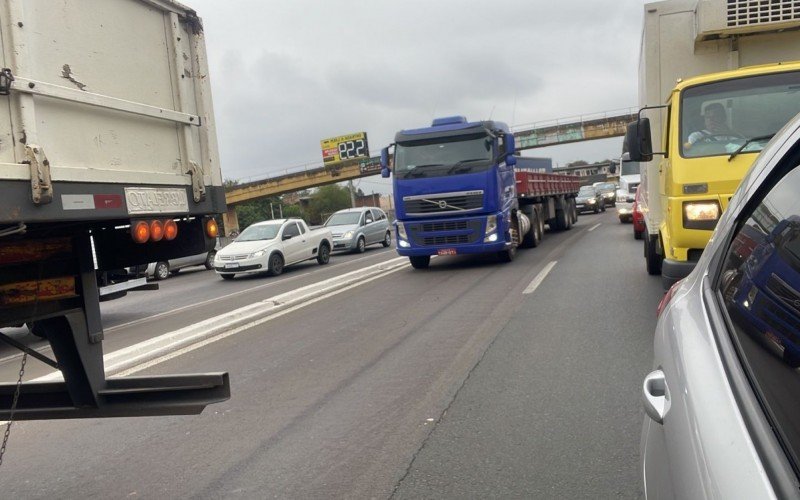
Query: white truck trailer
[(697, 56), (107, 143)]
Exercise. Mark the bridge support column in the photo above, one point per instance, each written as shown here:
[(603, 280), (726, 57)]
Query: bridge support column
[(230, 220)]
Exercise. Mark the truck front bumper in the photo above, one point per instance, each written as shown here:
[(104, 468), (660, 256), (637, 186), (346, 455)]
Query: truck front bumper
[(460, 236)]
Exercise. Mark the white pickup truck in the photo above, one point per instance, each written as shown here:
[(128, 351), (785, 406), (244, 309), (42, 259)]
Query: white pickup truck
[(272, 245)]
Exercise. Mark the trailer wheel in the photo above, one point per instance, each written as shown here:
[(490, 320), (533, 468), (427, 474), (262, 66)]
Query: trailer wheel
[(420, 261), (534, 235), (560, 219), (573, 210)]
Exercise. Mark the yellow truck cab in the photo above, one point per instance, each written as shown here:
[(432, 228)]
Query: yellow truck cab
[(716, 95)]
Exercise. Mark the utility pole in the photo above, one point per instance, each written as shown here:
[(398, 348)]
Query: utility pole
[(272, 210), (352, 194)]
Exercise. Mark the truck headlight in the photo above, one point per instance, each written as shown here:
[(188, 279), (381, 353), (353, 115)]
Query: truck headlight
[(401, 231), (700, 214), (491, 224)]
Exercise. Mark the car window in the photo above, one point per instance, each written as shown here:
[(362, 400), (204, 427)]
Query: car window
[(377, 214), (291, 230), (760, 288), (368, 216), (302, 229)]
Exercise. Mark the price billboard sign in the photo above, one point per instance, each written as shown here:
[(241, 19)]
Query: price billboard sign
[(344, 148)]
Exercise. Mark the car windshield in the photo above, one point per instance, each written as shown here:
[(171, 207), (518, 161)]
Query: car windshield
[(586, 191), (606, 187), (720, 118), (259, 232), (443, 156), (343, 219)]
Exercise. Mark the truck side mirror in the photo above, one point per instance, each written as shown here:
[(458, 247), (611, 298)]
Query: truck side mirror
[(638, 140), (385, 163), (511, 147)]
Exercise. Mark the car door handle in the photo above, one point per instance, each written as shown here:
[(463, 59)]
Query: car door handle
[(655, 396)]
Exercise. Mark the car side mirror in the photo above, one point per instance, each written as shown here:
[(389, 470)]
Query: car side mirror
[(287, 237), (385, 163), (639, 141), (511, 147)]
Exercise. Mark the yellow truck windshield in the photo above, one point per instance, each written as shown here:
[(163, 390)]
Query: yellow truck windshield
[(719, 118)]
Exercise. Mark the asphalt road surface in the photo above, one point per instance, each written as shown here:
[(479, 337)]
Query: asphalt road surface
[(470, 379)]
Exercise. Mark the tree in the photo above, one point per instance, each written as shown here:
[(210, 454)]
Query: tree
[(325, 201)]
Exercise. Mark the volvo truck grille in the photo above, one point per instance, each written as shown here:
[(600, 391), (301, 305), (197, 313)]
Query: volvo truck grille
[(442, 203)]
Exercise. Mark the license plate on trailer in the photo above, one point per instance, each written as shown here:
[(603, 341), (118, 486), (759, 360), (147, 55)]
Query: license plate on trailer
[(231, 265), (446, 251)]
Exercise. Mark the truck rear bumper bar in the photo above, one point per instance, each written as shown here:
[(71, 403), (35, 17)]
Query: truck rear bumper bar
[(460, 249)]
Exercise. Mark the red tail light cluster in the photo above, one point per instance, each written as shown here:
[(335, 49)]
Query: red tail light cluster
[(143, 231)]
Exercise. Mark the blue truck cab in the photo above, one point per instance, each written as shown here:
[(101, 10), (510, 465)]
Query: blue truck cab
[(454, 190), (768, 295)]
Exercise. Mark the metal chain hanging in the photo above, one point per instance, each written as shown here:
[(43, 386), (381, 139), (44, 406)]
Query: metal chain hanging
[(13, 407)]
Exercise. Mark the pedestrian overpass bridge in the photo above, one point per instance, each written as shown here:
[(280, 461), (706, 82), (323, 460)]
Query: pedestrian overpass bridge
[(528, 136)]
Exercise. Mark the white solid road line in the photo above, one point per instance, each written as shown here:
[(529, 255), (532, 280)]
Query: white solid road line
[(595, 226), (233, 294), (540, 277)]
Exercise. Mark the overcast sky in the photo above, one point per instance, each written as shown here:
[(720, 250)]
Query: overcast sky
[(285, 75)]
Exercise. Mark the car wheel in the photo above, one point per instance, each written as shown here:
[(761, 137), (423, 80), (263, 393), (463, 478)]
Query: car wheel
[(652, 258), (227, 276), (420, 261), (275, 266), (387, 240), (209, 264), (361, 245), (162, 271), (596, 209), (324, 254)]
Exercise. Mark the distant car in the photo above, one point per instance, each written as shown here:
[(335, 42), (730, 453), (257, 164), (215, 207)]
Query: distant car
[(723, 400), (588, 201), (353, 229), (162, 270), (624, 207), (637, 217), (608, 191)]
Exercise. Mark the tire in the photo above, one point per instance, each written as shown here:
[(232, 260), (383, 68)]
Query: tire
[(387, 240), (420, 261), (652, 258), (507, 255), (275, 266), (161, 271), (637, 235), (560, 220), (209, 263), (323, 254), (790, 358), (573, 210), (361, 245), (603, 208), (596, 209), (36, 329), (228, 276), (534, 235)]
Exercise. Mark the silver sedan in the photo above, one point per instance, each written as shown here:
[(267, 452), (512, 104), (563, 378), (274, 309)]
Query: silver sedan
[(723, 399)]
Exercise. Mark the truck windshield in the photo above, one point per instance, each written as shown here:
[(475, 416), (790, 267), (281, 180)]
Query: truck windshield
[(719, 118), (443, 156), (629, 168), (264, 232)]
